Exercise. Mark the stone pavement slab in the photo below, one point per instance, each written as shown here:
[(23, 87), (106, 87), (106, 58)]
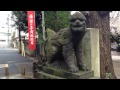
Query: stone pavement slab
[(15, 62), (116, 63), (18, 76)]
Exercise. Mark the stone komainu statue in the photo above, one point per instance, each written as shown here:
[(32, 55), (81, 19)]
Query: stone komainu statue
[(63, 44)]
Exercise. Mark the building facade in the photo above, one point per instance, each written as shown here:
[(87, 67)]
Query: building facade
[(5, 39)]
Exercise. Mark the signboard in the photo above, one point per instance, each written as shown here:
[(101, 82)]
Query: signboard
[(31, 30)]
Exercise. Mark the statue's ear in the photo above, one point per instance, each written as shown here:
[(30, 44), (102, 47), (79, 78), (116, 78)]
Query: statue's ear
[(86, 13)]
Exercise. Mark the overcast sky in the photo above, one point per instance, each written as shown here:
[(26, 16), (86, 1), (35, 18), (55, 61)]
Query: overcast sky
[(3, 20)]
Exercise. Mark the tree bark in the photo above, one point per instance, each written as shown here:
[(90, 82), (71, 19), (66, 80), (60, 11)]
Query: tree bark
[(95, 20), (19, 40)]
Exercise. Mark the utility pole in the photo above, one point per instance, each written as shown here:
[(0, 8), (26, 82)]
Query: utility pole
[(43, 25), (8, 28), (44, 38)]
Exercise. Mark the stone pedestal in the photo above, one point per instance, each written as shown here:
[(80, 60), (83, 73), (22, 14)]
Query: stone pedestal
[(90, 50), (54, 73)]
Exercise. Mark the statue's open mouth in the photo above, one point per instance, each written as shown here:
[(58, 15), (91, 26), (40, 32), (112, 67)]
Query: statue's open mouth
[(78, 26)]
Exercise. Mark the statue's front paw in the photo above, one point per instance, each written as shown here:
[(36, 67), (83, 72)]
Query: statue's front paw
[(73, 70), (84, 68)]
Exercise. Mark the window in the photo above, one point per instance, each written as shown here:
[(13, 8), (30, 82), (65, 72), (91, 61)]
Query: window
[(2, 40)]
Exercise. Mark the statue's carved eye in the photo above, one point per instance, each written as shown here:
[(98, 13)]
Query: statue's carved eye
[(72, 20), (81, 20)]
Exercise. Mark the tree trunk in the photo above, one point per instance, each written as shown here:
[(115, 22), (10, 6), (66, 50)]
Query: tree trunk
[(19, 41), (103, 24)]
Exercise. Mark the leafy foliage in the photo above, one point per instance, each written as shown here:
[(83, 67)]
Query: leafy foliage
[(22, 19), (53, 19), (56, 20), (115, 37)]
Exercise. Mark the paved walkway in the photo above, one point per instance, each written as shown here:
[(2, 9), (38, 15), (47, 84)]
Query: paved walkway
[(116, 63), (15, 62)]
